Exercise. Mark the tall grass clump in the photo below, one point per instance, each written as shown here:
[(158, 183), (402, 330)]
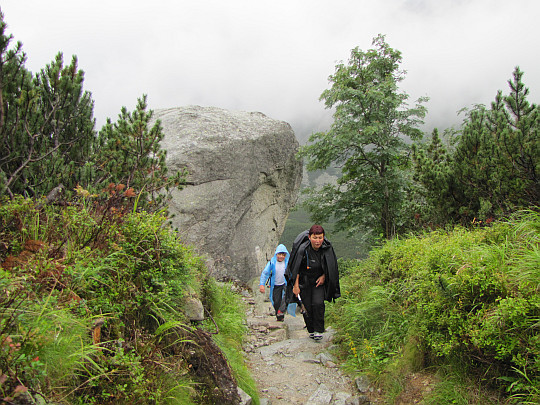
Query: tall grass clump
[(469, 299), (228, 321), (91, 303)]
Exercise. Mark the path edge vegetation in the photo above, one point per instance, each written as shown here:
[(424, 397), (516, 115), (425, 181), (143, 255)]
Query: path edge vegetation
[(93, 308), (462, 304), (92, 273)]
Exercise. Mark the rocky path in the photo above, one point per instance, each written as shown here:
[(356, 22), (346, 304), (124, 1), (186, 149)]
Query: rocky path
[(289, 367)]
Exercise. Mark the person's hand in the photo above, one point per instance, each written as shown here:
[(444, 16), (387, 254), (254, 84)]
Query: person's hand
[(320, 281), (296, 289), (261, 288)]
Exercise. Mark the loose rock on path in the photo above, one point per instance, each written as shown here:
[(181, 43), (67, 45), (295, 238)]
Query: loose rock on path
[(288, 366)]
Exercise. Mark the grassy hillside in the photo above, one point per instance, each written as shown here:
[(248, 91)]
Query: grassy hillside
[(463, 305), (93, 299)]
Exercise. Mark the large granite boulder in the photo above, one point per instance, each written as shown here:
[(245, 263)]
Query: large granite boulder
[(243, 180)]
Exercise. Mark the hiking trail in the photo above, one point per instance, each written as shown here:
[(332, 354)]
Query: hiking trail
[(288, 366)]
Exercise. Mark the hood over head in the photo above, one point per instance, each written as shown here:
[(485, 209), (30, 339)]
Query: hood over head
[(281, 249)]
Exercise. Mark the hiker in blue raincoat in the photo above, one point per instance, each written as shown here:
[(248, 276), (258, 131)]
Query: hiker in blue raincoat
[(274, 272)]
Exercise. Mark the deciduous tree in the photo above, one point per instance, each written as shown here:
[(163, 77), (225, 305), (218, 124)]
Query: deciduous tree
[(367, 141)]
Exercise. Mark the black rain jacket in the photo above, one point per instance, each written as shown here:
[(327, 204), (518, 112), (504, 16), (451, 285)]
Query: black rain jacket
[(329, 263)]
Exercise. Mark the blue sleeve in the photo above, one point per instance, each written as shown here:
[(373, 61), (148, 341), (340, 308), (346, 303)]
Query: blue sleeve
[(265, 274)]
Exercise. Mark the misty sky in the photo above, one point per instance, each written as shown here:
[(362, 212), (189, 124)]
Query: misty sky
[(275, 56)]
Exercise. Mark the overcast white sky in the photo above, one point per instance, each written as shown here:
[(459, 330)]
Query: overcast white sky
[(275, 56)]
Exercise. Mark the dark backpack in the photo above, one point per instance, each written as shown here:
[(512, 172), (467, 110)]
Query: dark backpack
[(301, 238), (298, 242)]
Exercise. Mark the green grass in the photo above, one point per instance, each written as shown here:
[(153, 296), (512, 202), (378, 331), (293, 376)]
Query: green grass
[(453, 387), (463, 300), (102, 261), (229, 314)]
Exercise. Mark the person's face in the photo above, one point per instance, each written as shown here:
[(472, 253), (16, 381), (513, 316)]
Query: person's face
[(316, 240), (281, 257)]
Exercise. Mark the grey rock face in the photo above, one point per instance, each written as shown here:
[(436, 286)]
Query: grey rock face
[(243, 180)]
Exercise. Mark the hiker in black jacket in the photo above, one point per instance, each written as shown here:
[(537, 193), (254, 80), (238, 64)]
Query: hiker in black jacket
[(312, 277)]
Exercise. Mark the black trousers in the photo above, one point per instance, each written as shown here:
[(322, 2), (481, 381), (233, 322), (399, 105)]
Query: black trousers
[(278, 298), (313, 299)]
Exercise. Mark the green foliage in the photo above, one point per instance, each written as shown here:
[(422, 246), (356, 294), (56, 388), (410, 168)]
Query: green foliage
[(94, 281), (492, 169), (146, 268), (107, 303), (47, 136), (46, 123), (35, 337), (465, 299), (229, 316), (366, 140), (130, 154), (433, 173), (459, 389)]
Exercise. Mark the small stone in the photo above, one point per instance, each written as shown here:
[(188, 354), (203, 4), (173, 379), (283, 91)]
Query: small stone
[(194, 309), (245, 399), (324, 357), (363, 400), (352, 401), (340, 398), (362, 383), (320, 397)]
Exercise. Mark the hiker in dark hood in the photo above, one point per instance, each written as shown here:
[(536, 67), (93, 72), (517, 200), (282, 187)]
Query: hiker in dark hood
[(312, 277)]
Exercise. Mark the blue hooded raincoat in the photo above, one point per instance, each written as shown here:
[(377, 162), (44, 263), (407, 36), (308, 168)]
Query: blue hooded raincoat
[(270, 272)]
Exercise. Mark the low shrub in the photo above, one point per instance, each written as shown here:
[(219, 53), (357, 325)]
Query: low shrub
[(91, 303), (467, 298)]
